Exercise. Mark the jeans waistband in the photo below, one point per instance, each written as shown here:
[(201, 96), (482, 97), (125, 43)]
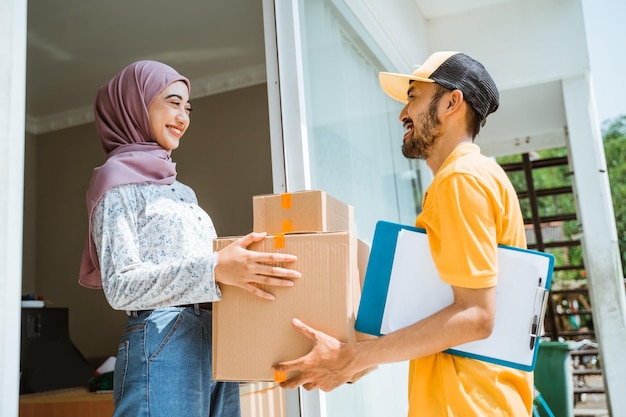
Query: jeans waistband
[(197, 307)]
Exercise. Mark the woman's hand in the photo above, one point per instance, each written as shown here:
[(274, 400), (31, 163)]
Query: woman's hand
[(243, 268)]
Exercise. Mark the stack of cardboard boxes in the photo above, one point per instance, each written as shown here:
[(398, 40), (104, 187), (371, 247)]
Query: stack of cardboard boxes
[(251, 334)]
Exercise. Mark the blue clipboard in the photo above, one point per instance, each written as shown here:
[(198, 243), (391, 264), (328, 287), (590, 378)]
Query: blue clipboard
[(402, 286)]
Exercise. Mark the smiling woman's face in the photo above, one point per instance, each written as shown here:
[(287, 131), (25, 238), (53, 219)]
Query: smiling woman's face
[(169, 115)]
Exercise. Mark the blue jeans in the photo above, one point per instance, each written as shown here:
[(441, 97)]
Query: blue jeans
[(163, 367)]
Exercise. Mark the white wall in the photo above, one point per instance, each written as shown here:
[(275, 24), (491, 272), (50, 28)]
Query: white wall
[(400, 30), (606, 33), (520, 42), (13, 91)]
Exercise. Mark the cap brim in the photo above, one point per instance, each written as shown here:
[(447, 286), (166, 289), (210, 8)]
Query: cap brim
[(396, 86)]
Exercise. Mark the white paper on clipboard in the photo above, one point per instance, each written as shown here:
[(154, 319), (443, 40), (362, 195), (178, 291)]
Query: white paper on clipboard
[(415, 291)]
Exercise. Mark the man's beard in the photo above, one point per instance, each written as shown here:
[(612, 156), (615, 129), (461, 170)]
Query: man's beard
[(426, 131)]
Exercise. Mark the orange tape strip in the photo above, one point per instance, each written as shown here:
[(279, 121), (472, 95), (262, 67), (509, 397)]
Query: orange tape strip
[(285, 200), (279, 241), (280, 376), (287, 226)]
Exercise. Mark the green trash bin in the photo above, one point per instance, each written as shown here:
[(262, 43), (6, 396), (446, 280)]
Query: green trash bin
[(553, 377)]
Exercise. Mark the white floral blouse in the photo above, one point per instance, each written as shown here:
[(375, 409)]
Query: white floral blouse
[(155, 247)]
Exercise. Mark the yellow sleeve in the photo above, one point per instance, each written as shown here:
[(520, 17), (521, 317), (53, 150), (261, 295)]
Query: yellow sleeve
[(465, 251)]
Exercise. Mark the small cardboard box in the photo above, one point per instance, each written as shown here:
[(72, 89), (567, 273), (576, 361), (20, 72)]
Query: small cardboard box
[(251, 334), (302, 211)]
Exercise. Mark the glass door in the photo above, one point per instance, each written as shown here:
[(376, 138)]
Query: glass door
[(334, 129)]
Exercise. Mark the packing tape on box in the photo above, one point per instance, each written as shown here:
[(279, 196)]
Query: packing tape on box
[(279, 241), (285, 200), (280, 376), (287, 226)]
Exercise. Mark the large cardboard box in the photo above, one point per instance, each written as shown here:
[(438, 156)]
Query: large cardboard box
[(251, 334), (302, 211)]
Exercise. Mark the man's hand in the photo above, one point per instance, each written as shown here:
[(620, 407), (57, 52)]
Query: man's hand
[(238, 266), (328, 365)]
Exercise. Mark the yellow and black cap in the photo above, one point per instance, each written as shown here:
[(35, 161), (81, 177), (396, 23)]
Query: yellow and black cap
[(454, 71)]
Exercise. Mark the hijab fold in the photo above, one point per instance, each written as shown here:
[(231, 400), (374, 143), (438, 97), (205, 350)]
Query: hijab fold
[(124, 130)]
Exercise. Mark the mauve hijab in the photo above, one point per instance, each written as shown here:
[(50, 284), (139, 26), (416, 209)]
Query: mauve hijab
[(133, 156)]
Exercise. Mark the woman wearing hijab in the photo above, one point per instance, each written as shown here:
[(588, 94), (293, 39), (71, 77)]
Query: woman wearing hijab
[(149, 248)]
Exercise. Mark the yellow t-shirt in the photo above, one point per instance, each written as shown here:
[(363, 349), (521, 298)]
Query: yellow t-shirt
[(469, 209)]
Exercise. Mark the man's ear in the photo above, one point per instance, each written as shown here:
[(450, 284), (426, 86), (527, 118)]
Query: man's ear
[(455, 98), (453, 103)]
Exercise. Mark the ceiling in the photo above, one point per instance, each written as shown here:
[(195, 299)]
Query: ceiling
[(75, 46)]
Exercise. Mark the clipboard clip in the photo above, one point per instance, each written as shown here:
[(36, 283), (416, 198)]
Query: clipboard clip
[(539, 310)]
